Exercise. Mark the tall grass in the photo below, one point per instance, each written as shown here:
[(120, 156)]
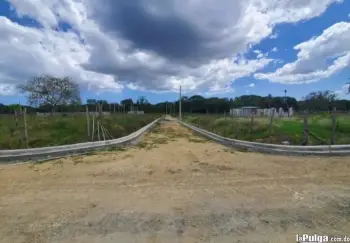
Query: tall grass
[(54, 130), (283, 129)]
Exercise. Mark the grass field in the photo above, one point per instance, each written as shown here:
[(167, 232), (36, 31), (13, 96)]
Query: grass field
[(54, 130), (284, 129)]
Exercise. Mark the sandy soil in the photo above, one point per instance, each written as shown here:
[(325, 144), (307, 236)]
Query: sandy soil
[(174, 187)]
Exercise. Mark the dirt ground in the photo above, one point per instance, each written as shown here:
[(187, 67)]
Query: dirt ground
[(174, 187)]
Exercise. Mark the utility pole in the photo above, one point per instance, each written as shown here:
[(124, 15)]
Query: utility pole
[(285, 101), (180, 115)]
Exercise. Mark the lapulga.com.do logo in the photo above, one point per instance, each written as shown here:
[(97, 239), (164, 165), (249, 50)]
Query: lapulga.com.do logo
[(311, 238)]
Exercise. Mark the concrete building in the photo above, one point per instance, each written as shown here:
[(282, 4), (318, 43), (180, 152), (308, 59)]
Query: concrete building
[(135, 111), (256, 111), (245, 111)]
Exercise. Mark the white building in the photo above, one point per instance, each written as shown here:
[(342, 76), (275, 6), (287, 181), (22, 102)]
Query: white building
[(255, 111)]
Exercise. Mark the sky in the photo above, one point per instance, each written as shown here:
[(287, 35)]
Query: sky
[(117, 49)]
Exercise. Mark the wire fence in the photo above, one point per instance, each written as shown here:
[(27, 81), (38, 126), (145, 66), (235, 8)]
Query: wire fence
[(23, 129), (304, 128)]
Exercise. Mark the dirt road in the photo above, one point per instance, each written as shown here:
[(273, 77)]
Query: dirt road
[(174, 187)]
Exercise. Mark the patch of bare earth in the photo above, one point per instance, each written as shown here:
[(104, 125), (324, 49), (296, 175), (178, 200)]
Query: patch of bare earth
[(174, 187)]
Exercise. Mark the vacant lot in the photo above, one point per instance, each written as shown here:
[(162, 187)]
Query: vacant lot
[(174, 187), (54, 130), (283, 129)]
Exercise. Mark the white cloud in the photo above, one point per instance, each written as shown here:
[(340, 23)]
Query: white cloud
[(273, 36), (275, 49), (260, 54), (343, 91), (317, 58), (252, 85), (7, 89), (113, 56)]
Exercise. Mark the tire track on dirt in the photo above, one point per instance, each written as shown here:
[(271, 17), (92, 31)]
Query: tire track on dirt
[(174, 187)]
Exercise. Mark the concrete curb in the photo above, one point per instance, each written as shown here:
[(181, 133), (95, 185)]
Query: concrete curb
[(332, 150), (48, 153)]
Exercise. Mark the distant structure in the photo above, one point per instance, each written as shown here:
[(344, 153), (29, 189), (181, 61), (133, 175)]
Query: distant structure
[(247, 111), (135, 111), (71, 113)]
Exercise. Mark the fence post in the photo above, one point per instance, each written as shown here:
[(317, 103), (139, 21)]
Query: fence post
[(306, 131), (98, 130), (17, 113), (334, 120), (251, 126), (103, 133), (25, 126), (87, 121), (272, 114), (236, 128), (93, 128)]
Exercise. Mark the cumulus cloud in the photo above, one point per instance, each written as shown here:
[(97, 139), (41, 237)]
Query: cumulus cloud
[(144, 44), (317, 58), (275, 49), (273, 36), (27, 52), (344, 90), (252, 85)]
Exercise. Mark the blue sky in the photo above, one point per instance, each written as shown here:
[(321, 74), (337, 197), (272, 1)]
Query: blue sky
[(304, 49)]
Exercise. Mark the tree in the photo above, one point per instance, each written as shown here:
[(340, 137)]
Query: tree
[(91, 101), (51, 91), (320, 101), (127, 103), (142, 100)]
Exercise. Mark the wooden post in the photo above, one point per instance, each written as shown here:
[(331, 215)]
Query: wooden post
[(114, 108), (88, 121), (93, 128), (25, 126), (98, 130), (180, 109), (100, 111), (334, 121), (306, 132), (17, 112), (103, 133), (272, 114), (251, 126), (236, 128)]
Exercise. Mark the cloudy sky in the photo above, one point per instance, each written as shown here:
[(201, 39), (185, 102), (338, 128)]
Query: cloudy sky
[(117, 49)]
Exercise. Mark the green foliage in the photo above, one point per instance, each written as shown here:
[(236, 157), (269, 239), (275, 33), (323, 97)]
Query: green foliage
[(283, 129), (51, 91), (55, 130)]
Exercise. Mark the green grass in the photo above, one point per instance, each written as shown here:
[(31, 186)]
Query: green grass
[(283, 129), (54, 130)]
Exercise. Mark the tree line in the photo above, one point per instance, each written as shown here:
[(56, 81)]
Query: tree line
[(51, 94)]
